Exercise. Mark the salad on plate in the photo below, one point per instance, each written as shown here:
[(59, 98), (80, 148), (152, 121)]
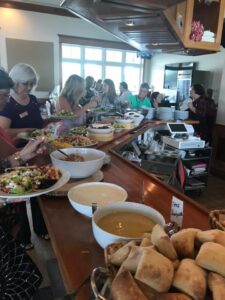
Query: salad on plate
[(24, 180)]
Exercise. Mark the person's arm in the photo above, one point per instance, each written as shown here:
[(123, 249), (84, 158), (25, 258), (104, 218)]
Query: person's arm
[(5, 122), (80, 110), (191, 107), (19, 158)]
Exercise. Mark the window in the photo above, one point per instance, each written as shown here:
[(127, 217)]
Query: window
[(118, 65), (93, 54), (114, 55)]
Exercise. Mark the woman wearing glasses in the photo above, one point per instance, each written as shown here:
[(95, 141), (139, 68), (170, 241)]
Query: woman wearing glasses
[(22, 108), (22, 111)]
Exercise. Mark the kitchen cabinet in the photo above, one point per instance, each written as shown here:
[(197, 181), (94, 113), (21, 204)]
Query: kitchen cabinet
[(210, 14)]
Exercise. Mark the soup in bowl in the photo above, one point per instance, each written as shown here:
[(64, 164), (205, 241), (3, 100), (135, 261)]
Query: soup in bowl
[(81, 162), (124, 221), (84, 195)]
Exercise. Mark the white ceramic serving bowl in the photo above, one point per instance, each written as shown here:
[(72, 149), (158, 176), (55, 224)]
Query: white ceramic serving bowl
[(124, 121), (100, 130), (101, 193), (105, 238), (93, 161)]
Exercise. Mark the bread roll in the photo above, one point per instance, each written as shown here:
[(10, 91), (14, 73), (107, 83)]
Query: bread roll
[(124, 287), (131, 262), (184, 241), (173, 296), (149, 293), (214, 235), (155, 270), (211, 257), (162, 242), (121, 254), (217, 286), (176, 264), (146, 242), (190, 279)]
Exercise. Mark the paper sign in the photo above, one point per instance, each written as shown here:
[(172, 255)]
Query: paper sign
[(177, 211)]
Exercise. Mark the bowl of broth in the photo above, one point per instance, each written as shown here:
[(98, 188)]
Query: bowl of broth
[(82, 197), (123, 221)]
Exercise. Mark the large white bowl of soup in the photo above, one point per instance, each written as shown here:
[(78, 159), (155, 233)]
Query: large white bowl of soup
[(124, 221), (87, 197), (81, 163)]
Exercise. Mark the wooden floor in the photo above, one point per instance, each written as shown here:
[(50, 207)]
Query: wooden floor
[(212, 198)]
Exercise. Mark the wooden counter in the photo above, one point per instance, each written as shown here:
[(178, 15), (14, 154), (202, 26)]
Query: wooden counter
[(71, 233)]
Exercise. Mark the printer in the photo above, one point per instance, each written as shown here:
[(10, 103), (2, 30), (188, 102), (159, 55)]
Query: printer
[(182, 137)]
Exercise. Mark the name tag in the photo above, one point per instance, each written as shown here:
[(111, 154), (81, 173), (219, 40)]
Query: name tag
[(23, 115)]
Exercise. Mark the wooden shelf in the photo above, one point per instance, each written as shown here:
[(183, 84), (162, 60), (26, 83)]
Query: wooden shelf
[(210, 15)]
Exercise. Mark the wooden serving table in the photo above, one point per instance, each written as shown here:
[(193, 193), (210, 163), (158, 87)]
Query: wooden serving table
[(71, 233)]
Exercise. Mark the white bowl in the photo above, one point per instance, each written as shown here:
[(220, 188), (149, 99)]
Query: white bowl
[(124, 121), (83, 195), (105, 238), (100, 130), (93, 161)]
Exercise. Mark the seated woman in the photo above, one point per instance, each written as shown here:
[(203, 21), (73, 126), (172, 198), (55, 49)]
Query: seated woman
[(109, 97), (69, 98), (21, 111), (19, 277), (99, 86), (22, 108), (89, 82), (140, 100), (155, 99)]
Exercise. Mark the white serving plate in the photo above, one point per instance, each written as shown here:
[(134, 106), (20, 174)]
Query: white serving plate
[(62, 180)]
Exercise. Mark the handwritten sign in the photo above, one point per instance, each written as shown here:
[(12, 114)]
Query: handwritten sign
[(177, 211)]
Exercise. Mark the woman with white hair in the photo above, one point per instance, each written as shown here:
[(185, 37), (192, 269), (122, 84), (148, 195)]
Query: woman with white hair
[(22, 111), (69, 99), (22, 108)]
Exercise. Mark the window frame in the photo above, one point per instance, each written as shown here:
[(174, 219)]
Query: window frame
[(104, 46)]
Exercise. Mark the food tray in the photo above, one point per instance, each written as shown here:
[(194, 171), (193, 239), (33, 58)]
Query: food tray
[(217, 219)]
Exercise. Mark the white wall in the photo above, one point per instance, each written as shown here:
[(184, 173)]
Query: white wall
[(19, 24), (210, 62)]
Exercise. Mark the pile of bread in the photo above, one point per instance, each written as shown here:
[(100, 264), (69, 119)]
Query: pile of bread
[(189, 265)]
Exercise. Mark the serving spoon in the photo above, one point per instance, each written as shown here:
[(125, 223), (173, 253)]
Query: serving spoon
[(62, 152)]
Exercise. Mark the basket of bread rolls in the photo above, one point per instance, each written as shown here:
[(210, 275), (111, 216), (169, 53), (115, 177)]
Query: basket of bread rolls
[(188, 265), (217, 219)]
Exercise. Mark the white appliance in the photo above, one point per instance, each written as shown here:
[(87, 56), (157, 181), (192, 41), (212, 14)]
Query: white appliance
[(190, 143), (182, 137)]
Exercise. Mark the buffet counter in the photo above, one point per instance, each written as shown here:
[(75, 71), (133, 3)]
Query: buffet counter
[(71, 233)]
